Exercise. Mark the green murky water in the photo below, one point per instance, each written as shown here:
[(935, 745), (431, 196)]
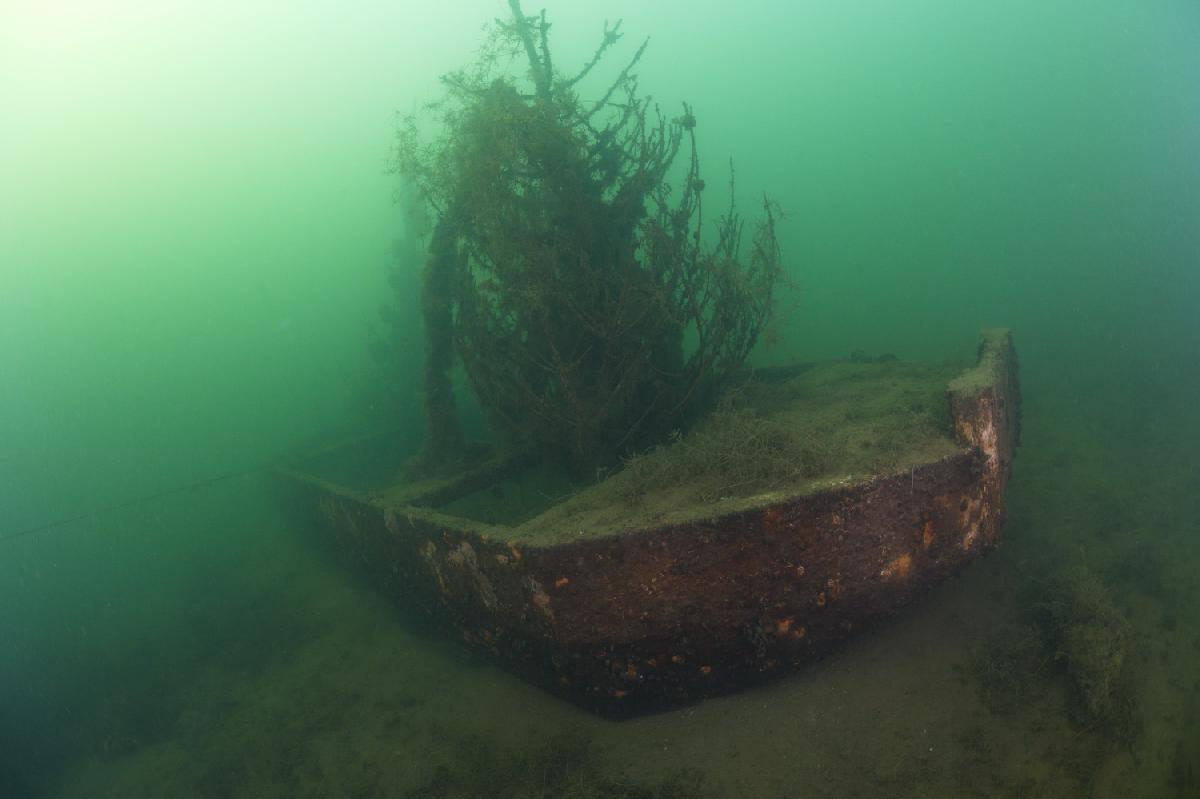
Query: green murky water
[(197, 226)]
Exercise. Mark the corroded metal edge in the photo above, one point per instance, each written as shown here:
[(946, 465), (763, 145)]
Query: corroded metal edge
[(985, 405)]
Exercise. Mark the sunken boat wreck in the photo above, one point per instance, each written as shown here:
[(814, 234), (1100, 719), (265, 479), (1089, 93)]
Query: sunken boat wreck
[(688, 574)]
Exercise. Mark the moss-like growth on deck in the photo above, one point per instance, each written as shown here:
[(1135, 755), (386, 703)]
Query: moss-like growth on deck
[(829, 423), (833, 419)]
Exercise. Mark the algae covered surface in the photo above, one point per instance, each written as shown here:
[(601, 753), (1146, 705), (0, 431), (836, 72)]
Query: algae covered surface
[(831, 424)]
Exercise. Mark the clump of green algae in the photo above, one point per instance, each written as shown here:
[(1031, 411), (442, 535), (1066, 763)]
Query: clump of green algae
[(1071, 627), (1090, 638)]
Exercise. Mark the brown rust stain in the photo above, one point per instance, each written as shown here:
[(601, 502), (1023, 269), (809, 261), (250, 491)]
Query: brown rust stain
[(539, 597), (927, 535), (898, 568), (772, 520)]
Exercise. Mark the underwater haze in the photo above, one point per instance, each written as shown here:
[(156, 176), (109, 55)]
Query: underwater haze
[(199, 225)]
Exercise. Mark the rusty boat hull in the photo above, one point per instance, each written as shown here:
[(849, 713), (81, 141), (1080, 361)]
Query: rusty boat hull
[(673, 613)]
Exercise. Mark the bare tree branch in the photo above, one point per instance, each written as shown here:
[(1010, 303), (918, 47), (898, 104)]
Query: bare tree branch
[(540, 70), (611, 36)]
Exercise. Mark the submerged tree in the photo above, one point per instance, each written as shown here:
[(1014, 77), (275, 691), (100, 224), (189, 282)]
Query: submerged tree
[(566, 273)]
